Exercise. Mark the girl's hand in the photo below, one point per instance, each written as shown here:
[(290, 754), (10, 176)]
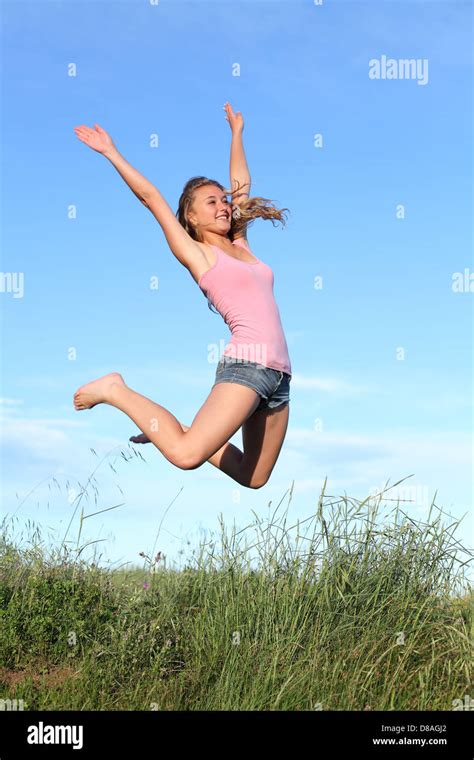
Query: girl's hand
[(236, 120), (97, 139)]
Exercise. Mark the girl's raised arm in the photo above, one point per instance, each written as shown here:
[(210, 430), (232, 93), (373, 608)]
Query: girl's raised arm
[(186, 250), (239, 170)]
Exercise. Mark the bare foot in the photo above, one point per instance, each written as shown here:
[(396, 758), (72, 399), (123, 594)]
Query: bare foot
[(97, 391), (142, 438)]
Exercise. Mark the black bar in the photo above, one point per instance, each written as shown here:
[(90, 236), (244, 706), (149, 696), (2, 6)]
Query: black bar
[(110, 734)]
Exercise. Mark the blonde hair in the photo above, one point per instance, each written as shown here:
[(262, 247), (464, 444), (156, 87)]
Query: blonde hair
[(243, 213)]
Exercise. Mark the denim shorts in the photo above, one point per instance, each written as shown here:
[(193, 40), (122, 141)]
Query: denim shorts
[(272, 385)]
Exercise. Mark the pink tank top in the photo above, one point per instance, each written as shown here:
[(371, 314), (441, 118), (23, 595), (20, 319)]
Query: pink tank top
[(242, 293)]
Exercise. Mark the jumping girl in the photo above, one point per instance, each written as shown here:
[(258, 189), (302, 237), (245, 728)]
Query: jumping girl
[(251, 389)]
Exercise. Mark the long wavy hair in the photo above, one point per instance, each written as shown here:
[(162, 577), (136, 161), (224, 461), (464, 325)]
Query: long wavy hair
[(243, 213)]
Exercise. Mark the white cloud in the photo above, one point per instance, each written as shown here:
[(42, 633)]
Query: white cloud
[(195, 376), (344, 446), (429, 460), (429, 446), (199, 376), (34, 447)]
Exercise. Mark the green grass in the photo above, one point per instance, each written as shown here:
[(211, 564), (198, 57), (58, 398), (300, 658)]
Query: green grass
[(350, 609)]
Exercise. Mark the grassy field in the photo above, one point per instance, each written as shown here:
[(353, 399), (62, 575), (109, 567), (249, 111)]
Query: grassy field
[(350, 609)]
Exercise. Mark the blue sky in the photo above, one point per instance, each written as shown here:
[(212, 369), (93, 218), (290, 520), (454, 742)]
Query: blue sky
[(360, 414)]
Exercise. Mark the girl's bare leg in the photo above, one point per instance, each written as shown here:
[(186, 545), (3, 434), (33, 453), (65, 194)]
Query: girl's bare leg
[(222, 414), (228, 458)]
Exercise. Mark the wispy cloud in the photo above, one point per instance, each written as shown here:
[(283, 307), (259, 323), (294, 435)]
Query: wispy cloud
[(37, 440), (435, 459), (42, 446), (454, 447), (203, 377)]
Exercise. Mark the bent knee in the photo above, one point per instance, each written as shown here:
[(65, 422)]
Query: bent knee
[(257, 482), (186, 460)]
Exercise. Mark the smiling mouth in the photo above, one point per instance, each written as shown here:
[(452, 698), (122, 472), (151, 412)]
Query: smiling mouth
[(224, 216)]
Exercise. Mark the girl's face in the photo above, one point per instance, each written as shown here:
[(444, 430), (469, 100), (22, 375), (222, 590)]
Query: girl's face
[(211, 210)]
